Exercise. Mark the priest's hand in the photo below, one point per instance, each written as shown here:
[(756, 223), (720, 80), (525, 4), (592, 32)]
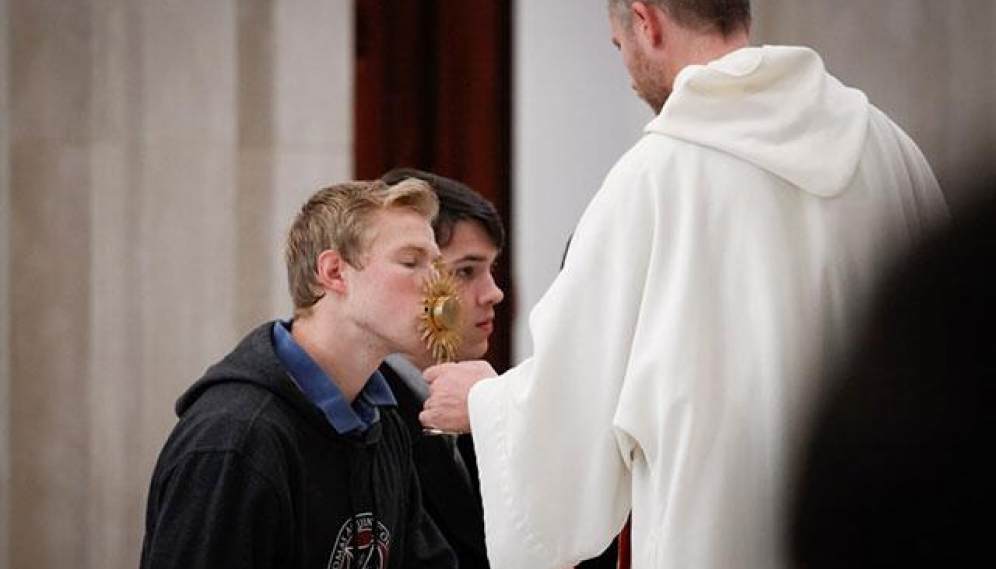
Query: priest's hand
[(449, 384)]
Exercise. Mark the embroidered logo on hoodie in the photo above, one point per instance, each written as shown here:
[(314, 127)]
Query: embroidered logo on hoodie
[(362, 543)]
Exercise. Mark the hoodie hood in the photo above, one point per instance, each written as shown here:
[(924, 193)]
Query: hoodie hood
[(775, 107), (254, 362)]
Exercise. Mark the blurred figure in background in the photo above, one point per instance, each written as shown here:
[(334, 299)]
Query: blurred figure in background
[(897, 473)]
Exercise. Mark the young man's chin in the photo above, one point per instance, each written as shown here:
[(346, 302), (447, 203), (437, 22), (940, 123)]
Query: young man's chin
[(474, 353)]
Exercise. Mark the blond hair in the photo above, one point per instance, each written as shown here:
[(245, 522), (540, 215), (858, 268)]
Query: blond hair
[(338, 218)]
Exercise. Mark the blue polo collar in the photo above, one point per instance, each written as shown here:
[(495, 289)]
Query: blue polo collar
[(319, 388)]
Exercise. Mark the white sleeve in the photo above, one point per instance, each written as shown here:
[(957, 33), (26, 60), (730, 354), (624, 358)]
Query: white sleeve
[(553, 462)]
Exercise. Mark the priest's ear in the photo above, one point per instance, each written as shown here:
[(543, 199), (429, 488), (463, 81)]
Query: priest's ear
[(330, 268), (648, 22)]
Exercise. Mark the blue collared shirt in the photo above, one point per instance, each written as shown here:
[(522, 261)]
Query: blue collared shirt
[(319, 388)]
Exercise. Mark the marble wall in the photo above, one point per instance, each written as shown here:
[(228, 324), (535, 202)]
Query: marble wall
[(157, 150), (4, 294)]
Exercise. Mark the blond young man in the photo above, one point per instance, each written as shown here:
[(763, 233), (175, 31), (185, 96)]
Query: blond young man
[(289, 452)]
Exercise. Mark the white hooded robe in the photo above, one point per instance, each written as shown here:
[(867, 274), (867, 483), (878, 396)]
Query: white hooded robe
[(712, 280)]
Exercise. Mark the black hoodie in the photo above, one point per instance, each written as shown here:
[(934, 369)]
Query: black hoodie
[(449, 487), (254, 476)]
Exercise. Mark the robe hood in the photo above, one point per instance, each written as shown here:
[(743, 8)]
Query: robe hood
[(777, 108)]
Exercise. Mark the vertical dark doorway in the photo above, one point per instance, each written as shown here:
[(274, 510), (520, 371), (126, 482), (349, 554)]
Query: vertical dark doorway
[(433, 91)]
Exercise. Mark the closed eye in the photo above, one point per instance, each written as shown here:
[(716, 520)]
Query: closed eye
[(412, 260)]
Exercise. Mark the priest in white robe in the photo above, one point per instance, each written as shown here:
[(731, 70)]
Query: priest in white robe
[(719, 269)]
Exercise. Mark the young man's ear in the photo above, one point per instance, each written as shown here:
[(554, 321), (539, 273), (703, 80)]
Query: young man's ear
[(647, 23), (331, 267)]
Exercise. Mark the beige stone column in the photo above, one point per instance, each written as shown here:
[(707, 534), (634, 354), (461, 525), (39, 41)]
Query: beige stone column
[(156, 151), (163, 201), (50, 281), (4, 294)]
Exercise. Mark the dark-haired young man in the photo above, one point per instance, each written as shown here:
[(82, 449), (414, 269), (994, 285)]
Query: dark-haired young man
[(470, 236)]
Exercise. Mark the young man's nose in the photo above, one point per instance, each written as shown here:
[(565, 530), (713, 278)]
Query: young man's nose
[(492, 293)]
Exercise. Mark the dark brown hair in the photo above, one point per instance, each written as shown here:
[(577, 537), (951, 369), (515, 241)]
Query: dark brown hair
[(726, 16), (457, 202)]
